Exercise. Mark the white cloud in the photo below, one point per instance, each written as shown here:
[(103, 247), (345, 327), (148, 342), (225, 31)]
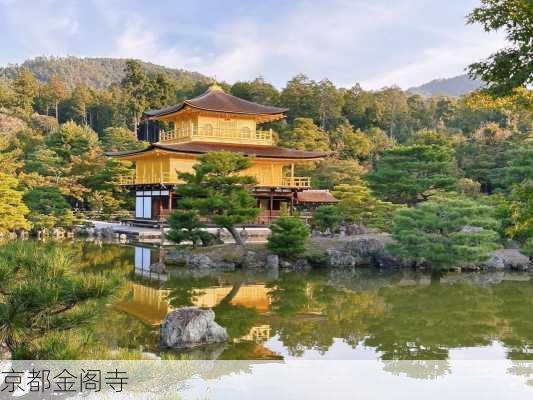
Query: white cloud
[(38, 27), (445, 61), (378, 42)]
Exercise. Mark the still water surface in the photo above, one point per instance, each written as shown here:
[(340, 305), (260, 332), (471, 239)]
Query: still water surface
[(324, 314)]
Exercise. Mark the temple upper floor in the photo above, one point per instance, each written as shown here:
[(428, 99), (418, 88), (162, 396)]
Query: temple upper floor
[(216, 116), (202, 127)]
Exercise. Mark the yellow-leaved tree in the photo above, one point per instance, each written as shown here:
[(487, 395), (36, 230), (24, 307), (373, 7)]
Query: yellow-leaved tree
[(12, 209)]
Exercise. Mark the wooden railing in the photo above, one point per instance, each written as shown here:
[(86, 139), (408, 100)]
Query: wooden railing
[(225, 134), (296, 181), (164, 177)]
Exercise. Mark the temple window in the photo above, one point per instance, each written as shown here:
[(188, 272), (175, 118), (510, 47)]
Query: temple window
[(245, 133), (208, 130)]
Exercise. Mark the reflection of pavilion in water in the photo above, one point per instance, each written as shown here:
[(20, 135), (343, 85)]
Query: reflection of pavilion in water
[(151, 305)]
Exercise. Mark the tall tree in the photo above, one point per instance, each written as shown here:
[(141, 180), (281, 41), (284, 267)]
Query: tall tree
[(330, 104), (331, 172), (258, 91), (305, 135), (300, 96), (53, 93), (136, 85), (120, 139), (25, 87), (511, 67), (360, 108), (349, 144)]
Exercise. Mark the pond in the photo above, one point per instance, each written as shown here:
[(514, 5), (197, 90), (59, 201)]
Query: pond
[(359, 314)]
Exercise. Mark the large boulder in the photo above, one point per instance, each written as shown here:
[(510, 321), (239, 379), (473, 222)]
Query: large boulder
[(370, 249), (338, 259), (509, 258), (356, 229), (178, 257), (253, 260), (189, 327), (203, 261), (272, 262)]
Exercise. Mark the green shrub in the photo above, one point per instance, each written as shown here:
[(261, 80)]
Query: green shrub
[(326, 217), (445, 231), (288, 237)]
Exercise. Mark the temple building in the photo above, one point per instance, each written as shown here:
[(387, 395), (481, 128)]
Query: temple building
[(215, 121)]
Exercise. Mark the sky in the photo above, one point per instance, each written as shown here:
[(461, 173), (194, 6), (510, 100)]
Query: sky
[(375, 43)]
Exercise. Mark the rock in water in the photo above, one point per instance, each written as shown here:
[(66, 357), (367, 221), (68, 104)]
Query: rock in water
[(158, 268), (190, 327), (509, 258)]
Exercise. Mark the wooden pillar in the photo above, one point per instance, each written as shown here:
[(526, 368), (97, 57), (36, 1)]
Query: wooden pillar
[(292, 174), (271, 206), (169, 200), (292, 202), (160, 205)]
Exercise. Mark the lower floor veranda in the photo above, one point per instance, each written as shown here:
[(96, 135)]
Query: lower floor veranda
[(153, 203)]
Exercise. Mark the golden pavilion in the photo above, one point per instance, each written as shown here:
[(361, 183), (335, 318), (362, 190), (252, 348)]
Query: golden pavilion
[(215, 121)]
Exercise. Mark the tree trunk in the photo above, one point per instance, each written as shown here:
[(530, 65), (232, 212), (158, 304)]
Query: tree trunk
[(57, 111), (232, 293), (236, 236), (436, 274)]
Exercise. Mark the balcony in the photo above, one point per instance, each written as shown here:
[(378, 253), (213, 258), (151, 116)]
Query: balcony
[(299, 182), (132, 179), (296, 181), (226, 134)]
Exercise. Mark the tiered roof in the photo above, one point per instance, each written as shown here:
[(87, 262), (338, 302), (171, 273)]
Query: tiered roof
[(216, 100)]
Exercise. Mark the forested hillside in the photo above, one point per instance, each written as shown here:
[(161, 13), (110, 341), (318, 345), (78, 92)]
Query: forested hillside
[(97, 73), (456, 86)]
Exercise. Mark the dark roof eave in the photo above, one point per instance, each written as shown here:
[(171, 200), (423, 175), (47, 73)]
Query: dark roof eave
[(157, 113), (153, 146)]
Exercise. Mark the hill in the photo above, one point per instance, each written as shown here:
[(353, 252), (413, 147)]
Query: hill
[(456, 86), (95, 72)]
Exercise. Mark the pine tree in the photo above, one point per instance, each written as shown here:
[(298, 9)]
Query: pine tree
[(120, 139), (409, 174), (25, 88), (48, 208), (186, 226), (326, 218), (45, 291), (288, 236), (218, 191), (445, 231)]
